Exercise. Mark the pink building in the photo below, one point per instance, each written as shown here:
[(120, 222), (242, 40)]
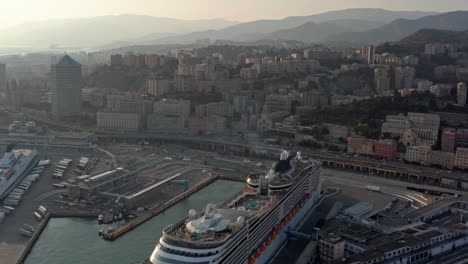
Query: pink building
[(152, 60), (386, 149), (448, 140), (443, 159)]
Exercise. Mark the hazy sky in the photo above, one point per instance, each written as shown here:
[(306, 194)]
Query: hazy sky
[(19, 11)]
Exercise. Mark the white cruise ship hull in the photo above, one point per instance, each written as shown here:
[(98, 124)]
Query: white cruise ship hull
[(268, 255)]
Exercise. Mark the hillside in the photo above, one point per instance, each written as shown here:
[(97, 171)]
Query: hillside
[(415, 43), (402, 28), (95, 31), (335, 22)]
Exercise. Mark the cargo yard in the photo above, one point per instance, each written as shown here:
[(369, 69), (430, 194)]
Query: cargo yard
[(128, 186)]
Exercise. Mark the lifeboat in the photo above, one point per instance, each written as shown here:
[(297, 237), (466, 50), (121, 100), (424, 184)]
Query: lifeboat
[(257, 254), (268, 242), (251, 261)]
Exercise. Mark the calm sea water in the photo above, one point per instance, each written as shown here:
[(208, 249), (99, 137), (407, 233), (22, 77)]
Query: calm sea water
[(76, 241)]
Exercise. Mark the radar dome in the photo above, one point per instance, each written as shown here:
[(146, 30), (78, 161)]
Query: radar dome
[(284, 155), (240, 220), (192, 213)]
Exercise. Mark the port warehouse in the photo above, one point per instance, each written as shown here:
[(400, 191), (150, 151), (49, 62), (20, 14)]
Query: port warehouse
[(68, 141), (113, 184)]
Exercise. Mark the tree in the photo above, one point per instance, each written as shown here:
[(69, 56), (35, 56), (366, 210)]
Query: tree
[(362, 129)]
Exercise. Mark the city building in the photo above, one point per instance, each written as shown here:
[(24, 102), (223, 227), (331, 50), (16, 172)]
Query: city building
[(368, 54), (184, 83), (442, 159), (65, 85), (323, 54), (128, 122), (448, 140), (130, 59), (314, 99), (414, 129), (239, 103), (197, 125), (287, 66), (461, 138), (157, 87), (361, 146), (382, 81), (279, 102), (423, 85), (167, 123), (410, 60), (125, 103), (152, 60), (388, 59), (461, 93), (368, 245), (404, 77), (220, 109), (441, 89), (216, 124), (461, 158), (387, 149), (417, 154), (248, 73), (439, 49), (172, 108), (267, 118), (331, 248)]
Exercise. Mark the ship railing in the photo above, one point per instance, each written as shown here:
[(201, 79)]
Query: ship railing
[(203, 243), (233, 198)]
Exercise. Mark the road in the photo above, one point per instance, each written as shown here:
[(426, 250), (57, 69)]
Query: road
[(392, 187)]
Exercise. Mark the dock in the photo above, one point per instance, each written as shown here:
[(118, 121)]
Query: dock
[(156, 211), (34, 238)]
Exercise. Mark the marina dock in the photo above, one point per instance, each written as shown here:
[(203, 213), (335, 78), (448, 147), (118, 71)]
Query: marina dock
[(34, 238), (112, 235)]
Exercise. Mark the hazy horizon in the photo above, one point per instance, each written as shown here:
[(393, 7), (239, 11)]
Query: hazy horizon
[(22, 11)]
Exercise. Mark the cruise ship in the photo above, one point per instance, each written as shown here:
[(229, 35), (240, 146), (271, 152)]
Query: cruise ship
[(14, 166), (250, 227)]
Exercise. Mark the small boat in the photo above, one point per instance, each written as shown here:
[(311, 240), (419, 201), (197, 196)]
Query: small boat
[(100, 218)]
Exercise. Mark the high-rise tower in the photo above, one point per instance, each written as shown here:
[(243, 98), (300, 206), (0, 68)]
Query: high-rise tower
[(65, 85)]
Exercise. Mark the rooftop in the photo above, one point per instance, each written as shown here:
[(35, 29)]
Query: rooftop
[(67, 60)]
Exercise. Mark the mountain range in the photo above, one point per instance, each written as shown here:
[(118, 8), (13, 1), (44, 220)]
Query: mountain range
[(313, 28), (362, 25), (401, 28), (95, 31)]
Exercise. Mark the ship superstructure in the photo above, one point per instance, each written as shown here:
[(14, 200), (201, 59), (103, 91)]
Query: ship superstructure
[(14, 166), (249, 227)]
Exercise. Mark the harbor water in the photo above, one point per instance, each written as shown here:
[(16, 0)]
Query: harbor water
[(76, 241)]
